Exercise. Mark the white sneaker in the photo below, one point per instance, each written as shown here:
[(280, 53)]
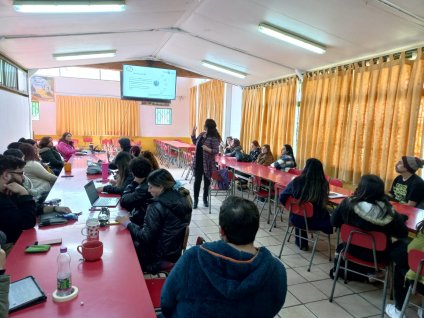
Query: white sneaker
[(392, 312)]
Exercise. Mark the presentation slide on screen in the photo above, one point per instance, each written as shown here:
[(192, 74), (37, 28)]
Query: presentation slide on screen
[(148, 82)]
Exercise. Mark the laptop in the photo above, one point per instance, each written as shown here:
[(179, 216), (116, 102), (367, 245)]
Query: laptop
[(97, 201)]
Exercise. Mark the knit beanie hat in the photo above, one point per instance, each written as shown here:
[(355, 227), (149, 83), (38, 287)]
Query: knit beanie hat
[(412, 164), (125, 144)]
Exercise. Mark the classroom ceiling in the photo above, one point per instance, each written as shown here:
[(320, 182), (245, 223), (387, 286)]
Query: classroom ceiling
[(182, 33)]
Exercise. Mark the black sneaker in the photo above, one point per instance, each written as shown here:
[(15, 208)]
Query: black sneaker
[(206, 204), (195, 205)]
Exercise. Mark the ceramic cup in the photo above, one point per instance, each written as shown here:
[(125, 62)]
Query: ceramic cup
[(91, 230), (91, 250)]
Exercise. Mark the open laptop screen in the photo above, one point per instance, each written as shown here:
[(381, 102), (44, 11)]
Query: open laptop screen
[(90, 188)]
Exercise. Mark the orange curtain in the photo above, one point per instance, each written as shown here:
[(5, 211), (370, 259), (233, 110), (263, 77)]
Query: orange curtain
[(363, 119), (253, 113), (323, 116), (88, 116), (278, 123), (211, 103), (193, 96)]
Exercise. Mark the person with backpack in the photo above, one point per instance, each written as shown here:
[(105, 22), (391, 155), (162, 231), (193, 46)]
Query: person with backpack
[(207, 147)]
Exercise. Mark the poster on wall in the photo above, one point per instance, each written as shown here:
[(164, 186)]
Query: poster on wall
[(42, 88)]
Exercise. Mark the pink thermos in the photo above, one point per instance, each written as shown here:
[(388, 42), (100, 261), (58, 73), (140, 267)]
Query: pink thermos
[(105, 171)]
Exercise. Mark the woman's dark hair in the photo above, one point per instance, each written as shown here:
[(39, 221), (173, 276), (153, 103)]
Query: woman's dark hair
[(140, 167), (371, 189), (315, 185), (29, 152), (256, 143), (210, 124), (14, 153), (268, 148), (122, 161), (31, 142), (63, 139), (22, 139), (14, 145), (289, 151), (135, 151), (161, 177), (44, 142), (151, 157), (236, 142)]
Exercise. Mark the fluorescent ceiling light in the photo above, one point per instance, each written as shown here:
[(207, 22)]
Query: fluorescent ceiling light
[(291, 38), (68, 6), (223, 69), (84, 55)]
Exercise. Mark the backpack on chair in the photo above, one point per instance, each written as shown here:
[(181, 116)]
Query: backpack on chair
[(223, 179)]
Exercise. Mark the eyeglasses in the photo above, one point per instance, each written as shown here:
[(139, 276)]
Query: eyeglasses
[(21, 173)]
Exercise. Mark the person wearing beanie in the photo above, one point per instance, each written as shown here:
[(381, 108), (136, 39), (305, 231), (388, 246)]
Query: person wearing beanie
[(408, 188)]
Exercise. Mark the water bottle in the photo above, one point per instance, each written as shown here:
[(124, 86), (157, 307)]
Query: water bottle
[(64, 281), (105, 171)]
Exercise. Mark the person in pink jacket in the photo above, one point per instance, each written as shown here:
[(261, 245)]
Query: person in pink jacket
[(66, 146)]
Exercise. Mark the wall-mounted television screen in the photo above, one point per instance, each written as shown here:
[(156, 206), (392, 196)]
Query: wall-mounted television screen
[(148, 83)]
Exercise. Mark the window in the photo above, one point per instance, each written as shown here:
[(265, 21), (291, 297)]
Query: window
[(35, 110), (13, 77), (163, 116)]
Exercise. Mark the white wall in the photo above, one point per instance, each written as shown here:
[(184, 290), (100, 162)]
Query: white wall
[(15, 118), (87, 87), (236, 99)]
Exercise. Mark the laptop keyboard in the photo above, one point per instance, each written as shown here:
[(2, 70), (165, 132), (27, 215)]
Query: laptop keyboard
[(106, 201)]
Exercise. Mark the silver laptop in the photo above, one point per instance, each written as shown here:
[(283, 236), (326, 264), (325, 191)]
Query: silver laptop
[(97, 201)]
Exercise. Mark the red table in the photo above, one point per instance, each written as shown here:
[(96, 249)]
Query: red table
[(283, 178), (179, 147), (111, 287)]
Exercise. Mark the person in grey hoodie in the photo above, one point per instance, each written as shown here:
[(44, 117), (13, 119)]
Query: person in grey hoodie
[(230, 277)]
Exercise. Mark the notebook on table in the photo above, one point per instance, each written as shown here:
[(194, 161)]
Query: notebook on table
[(96, 200), (25, 292)]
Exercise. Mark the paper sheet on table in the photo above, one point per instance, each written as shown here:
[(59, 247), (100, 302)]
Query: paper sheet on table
[(335, 195)]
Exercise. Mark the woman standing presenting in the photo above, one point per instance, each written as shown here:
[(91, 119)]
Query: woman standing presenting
[(207, 146)]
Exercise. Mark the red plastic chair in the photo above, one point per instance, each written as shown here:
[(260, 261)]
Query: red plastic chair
[(295, 171), (415, 261), (262, 191), (372, 240), (278, 207), (87, 140), (214, 186), (336, 182), (305, 210), (154, 286)]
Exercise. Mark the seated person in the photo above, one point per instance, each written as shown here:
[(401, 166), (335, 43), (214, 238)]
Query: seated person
[(124, 175), (370, 210), (235, 148), (49, 155), (147, 154), (286, 159), (230, 277), (136, 195), (408, 188), (227, 146), (41, 179), (311, 186), (135, 151), (403, 276), (17, 206), (65, 146), (124, 146), (265, 158), (4, 286), (159, 241), (255, 151)]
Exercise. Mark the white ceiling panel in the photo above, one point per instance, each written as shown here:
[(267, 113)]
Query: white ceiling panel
[(183, 32)]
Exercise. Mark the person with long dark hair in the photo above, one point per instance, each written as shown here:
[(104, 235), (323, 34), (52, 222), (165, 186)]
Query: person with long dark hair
[(311, 186), (370, 210), (159, 241), (147, 154), (49, 154), (65, 146), (207, 147), (124, 175), (265, 158), (286, 159)]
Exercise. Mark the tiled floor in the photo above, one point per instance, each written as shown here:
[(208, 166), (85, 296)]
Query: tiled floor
[(308, 292)]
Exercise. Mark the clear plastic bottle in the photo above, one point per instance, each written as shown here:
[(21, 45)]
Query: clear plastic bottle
[(64, 277)]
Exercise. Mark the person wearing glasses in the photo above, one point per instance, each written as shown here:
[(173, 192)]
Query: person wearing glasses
[(17, 206)]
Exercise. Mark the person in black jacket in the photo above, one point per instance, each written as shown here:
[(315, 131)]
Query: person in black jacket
[(159, 242), (49, 155), (125, 146), (136, 195), (17, 206), (124, 175), (370, 210)]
